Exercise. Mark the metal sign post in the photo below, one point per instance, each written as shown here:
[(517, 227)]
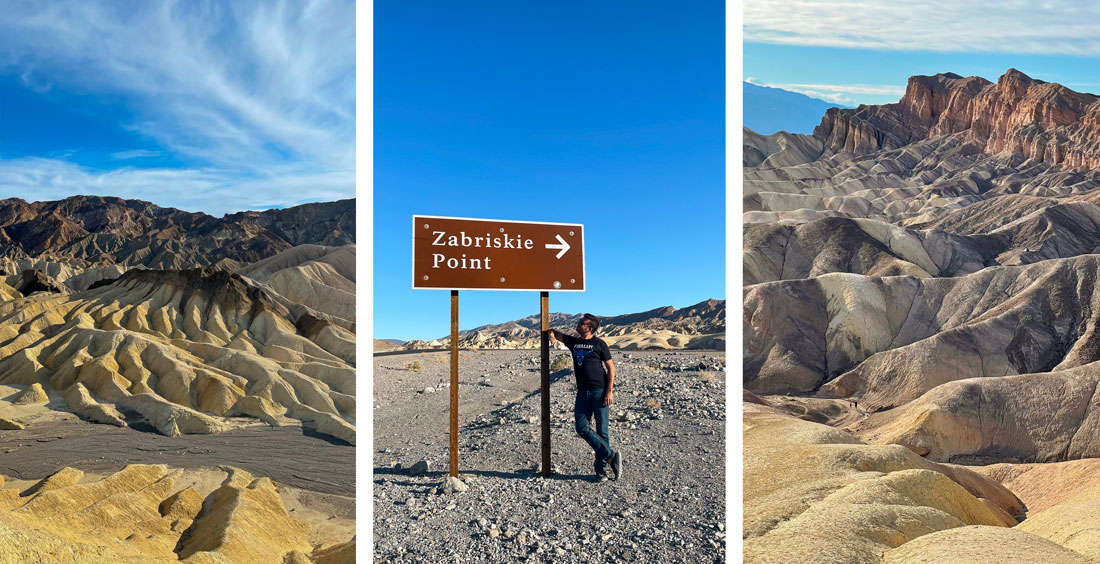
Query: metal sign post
[(454, 383), (452, 253), (544, 303)]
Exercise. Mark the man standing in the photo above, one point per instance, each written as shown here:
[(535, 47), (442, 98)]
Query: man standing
[(595, 380)]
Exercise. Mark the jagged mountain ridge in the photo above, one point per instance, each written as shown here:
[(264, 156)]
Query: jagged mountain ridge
[(94, 230), (1043, 121), (950, 142)]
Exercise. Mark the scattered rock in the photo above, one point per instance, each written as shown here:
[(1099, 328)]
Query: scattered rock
[(419, 468), (452, 485)]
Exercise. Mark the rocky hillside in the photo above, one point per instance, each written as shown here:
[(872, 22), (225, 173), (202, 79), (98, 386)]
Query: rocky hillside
[(124, 325), (921, 275), (186, 348), (1041, 121), (700, 326), (90, 231)]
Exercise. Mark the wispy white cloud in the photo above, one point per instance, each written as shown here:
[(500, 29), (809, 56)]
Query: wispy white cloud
[(834, 97), (211, 190), (135, 154), (880, 89), (1053, 27), (243, 87), (836, 93)]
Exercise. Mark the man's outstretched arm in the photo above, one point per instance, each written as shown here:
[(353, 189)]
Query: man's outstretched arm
[(607, 396)]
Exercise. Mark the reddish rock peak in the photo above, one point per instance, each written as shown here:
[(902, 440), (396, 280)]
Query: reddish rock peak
[(927, 97), (1045, 122), (1015, 83)]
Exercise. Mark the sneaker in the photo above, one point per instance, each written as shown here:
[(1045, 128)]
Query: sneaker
[(617, 464), (600, 478)]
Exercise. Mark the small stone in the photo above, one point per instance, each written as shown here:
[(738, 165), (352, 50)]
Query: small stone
[(419, 468), (494, 532), (428, 390), (452, 485)]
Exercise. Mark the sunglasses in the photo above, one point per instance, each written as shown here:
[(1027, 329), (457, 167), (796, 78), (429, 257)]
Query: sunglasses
[(584, 324)]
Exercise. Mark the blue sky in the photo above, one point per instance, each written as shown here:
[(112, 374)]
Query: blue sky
[(863, 51), (605, 114), (204, 106)]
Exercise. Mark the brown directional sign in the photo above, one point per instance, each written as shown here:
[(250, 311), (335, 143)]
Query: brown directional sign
[(492, 254)]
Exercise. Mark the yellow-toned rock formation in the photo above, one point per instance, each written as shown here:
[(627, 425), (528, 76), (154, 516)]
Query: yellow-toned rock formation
[(183, 349), (815, 494), (140, 515)]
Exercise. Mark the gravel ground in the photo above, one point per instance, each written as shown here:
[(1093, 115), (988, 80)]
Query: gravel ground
[(668, 420)]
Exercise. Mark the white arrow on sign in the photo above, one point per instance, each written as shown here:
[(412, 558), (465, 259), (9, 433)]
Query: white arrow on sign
[(563, 246)]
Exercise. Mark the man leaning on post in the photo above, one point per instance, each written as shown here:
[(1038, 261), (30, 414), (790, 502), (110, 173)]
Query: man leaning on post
[(595, 380)]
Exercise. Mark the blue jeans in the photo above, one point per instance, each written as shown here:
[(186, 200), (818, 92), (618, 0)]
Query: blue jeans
[(590, 405)]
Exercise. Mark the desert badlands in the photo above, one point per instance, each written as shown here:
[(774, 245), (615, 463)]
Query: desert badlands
[(174, 386), (921, 329)]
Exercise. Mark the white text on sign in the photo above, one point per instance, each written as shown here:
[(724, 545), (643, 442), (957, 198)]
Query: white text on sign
[(489, 241)]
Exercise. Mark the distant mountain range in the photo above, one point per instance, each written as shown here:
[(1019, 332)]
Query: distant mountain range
[(768, 110), (96, 231), (700, 326)]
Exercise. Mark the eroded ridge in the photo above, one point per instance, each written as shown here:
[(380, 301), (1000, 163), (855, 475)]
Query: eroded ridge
[(184, 349)]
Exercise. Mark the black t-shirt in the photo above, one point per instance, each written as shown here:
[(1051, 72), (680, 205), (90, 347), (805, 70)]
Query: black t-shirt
[(588, 358)]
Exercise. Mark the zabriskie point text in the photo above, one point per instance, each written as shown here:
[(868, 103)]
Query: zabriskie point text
[(489, 241)]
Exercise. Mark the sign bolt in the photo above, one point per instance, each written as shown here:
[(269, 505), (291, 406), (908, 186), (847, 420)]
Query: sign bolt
[(502, 279), (557, 284)]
